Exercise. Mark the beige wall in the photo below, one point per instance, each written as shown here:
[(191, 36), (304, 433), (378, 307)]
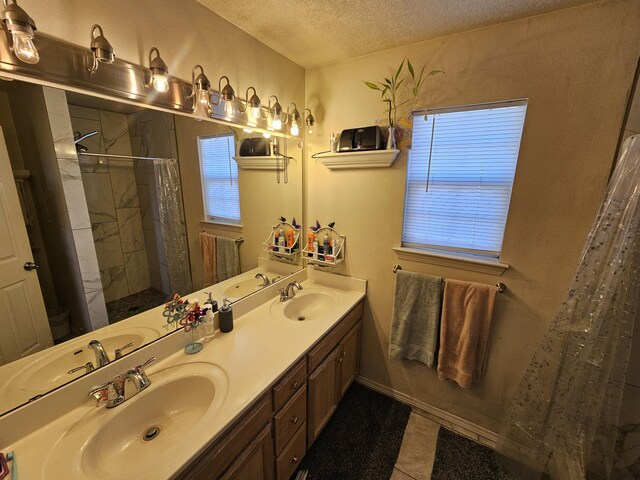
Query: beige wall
[(185, 32), (262, 199), (575, 67)]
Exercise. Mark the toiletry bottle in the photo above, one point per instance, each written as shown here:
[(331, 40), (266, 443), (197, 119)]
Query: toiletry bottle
[(209, 319), (289, 238), (315, 249), (326, 244), (225, 314), (311, 239), (275, 241)]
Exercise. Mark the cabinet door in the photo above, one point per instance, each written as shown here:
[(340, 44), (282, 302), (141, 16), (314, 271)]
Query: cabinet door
[(256, 461), (348, 359), (323, 398)]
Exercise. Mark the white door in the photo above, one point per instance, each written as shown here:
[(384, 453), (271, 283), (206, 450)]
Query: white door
[(24, 327)]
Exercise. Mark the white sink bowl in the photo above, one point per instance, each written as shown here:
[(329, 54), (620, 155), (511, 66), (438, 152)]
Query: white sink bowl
[(243, 288), (49, 371), (111, 443), (306, 305)]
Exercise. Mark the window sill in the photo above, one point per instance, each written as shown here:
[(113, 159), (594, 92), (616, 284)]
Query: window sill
[(232, 227), (493, 267)]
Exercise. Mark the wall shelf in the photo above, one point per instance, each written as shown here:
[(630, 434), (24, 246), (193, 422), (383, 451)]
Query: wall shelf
[(368, 159), (261, 163)]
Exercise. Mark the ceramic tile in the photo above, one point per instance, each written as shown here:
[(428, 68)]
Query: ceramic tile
[(84, 112), (97, 309), (56, 100), (97, 187), (144, 199), (137, 271), (418, 447), (115, 132), (141, 170), (86, 251), (400, 475), (94, 144), (123, 183), (74, 192), (114, 283), (130, 226), (107, 241)]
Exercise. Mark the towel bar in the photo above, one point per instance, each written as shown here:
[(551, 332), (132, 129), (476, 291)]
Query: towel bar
[(501, 286)]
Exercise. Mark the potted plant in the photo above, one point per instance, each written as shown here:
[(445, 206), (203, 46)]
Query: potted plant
[(396, 93)]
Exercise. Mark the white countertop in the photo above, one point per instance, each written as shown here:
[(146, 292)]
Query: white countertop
[(253, 356)]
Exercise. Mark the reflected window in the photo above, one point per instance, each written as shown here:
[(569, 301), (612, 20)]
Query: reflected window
[(219, 178)]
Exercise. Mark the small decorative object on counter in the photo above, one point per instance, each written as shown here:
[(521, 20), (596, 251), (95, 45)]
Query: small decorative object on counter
[(226, 316), (190, 316)]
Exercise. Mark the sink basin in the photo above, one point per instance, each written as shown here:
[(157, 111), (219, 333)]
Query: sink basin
[(50, 369), (145, 430), (243, 288), (306, 305)]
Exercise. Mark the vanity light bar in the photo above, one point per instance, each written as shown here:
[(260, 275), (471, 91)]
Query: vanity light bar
[(71, 67)]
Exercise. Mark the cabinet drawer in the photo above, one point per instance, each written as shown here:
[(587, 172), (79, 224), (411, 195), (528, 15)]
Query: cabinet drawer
[(331, 340), (219, 456), (292, 381), (288, 420), (290, 458)]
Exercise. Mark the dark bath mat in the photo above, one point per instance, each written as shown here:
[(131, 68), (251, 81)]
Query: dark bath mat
[(361, 441), (459, 458)]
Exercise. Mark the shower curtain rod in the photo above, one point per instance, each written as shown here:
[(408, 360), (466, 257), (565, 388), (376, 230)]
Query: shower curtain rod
[(129, 157)]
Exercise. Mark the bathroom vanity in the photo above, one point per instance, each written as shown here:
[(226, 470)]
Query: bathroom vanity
[(249, 405)]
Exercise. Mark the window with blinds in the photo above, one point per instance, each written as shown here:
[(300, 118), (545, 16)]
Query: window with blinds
[(219, 178), (459, 177)]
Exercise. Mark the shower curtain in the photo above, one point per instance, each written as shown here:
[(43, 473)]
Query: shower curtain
[(172, 227), (563, 418)]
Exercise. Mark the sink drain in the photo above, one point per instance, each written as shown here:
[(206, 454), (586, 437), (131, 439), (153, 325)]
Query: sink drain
[(151, 433), (301, 318)]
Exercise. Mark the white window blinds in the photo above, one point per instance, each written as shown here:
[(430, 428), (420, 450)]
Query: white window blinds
[(459, 177), (219, 178)]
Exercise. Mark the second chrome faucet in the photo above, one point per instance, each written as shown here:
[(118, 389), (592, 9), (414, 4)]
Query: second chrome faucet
[(122, 387), (289, 291)]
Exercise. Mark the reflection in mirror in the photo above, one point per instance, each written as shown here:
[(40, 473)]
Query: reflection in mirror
[(109, 201)]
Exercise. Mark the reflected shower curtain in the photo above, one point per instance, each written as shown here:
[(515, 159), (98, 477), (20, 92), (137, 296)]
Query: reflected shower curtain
[(563, 418), (172, 228)]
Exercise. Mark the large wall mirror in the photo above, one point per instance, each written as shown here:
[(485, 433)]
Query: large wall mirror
[(108, 199)]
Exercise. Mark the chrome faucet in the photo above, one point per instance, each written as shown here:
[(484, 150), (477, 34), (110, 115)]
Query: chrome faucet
[(101, 355), (265, 280), (289, 291), (122, 387), (87, 367)]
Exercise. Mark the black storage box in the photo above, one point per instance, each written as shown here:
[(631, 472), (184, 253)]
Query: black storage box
[(358, 139), (255, 147)]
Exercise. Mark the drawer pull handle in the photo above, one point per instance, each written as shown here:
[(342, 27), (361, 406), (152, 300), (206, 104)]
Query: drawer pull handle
[(340, 361), (294, 459), (295, 420), (295, 385)]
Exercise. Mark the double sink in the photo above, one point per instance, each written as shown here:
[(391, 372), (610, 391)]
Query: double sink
[(190, 398)]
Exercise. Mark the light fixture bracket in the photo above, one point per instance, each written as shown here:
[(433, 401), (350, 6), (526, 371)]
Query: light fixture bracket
[(15, 17), (101, 48)]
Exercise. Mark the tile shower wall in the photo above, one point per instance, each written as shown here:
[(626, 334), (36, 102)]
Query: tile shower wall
[(76, 203), (152, 134), (113, 202)]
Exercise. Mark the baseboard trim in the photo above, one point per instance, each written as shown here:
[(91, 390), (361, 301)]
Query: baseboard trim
[(444, 418)]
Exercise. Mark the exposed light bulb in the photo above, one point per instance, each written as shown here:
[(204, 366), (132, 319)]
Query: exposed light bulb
[(295, 130), (23, 45), (247, 130), (160, 83), (266, 135), (255, 112), (203, 107), (310, 129), (277, 122), (230, 108)]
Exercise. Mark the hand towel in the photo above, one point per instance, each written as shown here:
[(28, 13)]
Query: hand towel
[(228, 258), (208, 247), (467, 309), (415, 317)]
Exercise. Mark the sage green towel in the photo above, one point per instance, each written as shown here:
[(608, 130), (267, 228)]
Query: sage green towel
[(227, 258), (416, 317)]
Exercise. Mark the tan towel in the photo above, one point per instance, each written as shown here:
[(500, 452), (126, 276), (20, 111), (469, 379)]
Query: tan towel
[(208, 247), (415, 317), (467, 309)]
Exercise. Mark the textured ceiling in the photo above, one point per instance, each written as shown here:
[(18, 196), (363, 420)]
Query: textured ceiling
[(316, 32)]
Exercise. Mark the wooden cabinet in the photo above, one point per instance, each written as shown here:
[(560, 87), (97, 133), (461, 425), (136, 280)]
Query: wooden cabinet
[(270, 440)]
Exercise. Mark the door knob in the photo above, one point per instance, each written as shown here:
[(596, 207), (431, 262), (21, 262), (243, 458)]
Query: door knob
[(28, 266)]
